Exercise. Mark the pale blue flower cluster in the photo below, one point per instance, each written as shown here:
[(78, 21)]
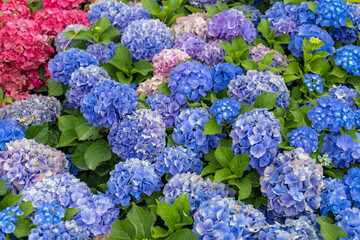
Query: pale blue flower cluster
[(9, 131), (102, 52), (128, 14), (304, 137), (345, 94), (225, 110), (48, 213), (352, 180), (349, 220), (190, 44), (212, 53), (105, 8)]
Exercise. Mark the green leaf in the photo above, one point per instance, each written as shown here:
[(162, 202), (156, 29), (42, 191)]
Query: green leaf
[(84, 130), (254, 178), (268, 58), (143, 67), (164, 88), (249, 64), (81, 35), (266, 100), (121, 65), (211, 10), (211, 127), (112, 32), (183, 234), (245, 108), (123, 229), (168, 214), (239, 163), (312, 7), (194, 10), (222, 6), (22, 228), (142, 220), (78, 159), (96, 153), (38, 132), (9, 200), (152, 6), (66, 122), (209, 169), (352, 133), (122, 53), (55, 89), (27, 209), (67, 138), (159, 232), (3, 187), (243, 185), (224, 156), (223, 174), (349, 23), (103, 23), (329, 231), (264, 27), (1, 93), (70, 213)]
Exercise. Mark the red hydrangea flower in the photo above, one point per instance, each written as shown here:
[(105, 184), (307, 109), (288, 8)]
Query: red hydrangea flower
[(13, 10)]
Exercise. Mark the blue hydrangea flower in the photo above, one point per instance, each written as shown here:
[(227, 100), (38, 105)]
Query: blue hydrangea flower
[(348, 57), (347, 35), (332, 114), (177, 160), (349, 220), (331, 13), (314, 83), (282, 18), (108, 102), (293, 184), (203, 3), (257, 133), (335, 197), (61, 41), (105, 8), (189, 80), (102, 52), (190, 44), (357, 119), (9, 131), (352, 180), (166, 106), (223, 73), (140, 135), (345, 94), (145, 38), (308, 31), (82, 81), (225, 110), (246, 88), (304, 137), (212, 53), (228, 25), (305, 15), (198, 190), (189, 128), (72, 168), (132, 178), (34, 110), (129, 14), (250, 12), (227, 219), (8, 218), (48, 213)]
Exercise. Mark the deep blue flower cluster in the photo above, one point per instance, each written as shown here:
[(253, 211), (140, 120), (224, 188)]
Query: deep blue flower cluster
[(346, 35), (145, 38), (314, 83), (177, 160), (223, 73), (331, 13), (332, 114), (348, 57), (108, 102), (293, 184), (189, 128), (225, 110), (190, 44), (352, 180), (189, 80), (213, 53), (345, 94), (61, 41), (304, 137), (305, 15), (129, 14), (140, 135), (349, 220), (9, 131), (335, 197), (227, 219), (198, 190), (48, 213), (357, 119), (282, 18), (65, 63), (203, 3), (258, 134), (131, 179), (8, 218), (246, 88), (105, 8), (102, 52)]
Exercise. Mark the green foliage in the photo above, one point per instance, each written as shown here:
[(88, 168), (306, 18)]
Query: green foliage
[(271, 41), (328, 230), (70, 213), (38, 132), (4, 100), (212, 128), (236, 52)]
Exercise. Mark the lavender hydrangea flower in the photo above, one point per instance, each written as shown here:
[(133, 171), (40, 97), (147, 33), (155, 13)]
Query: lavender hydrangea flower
[(227, 219), (304, 137), (331, 13), (190, 44), (282, 18), (257, 54), (225, 110), (34, 110), (150, 86), (331, 114), (26, 161), (335, 197), (108, 102), (168, 59), (223, 73), (9, 131), (48, 213), (128, 14), (189, 128), (198, 190), (348, 57), (349, 220), (293, 184), (61, 41), (258, 134), (228, 25), (212, 53), (313, 82), (132, 178), (246, 88), (345, 94), (145, 38), (352, 181), (8, 218), (65, 63), (203, 3), (105, 8), (195, 23), (102, 52), (140, 135), (189, 80)]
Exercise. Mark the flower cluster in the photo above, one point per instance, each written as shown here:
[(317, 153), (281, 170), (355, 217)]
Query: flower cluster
[(282, 18), (168, 59), (335, 197), (26, 161), (345, 94), (251, 12), (293, 184), (212, 53), (304, 137), (128, 14), (348, 57), (257, 54), (246, 88), (195, 23), (108, 102), (102, 52), (8, 218), (332, 114), (189, 128), (189, 80), (325, 160), (258, 133), (105, 8), (150, 86), (190, 44), (145, 38), (225, 110), (48, 213), (62, 4), (349, 221), (13, 10), (61, 41), (223, 73), (10, 131), (331, 13), (313, 82), (140, 135), (357, 119), (132, 178), (352, 180)]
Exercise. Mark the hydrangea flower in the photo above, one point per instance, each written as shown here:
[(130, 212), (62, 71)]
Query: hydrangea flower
[(335, 197), (26, 161), (225, 110), (332, 114), (62, 4), (227, 219), (150, 86), (331, 13), (348, 220), (212, 53), (251, 12), (345, 94), (140, 135), (228, 25), (352, 180), (105, 8), (305, 15), (348, 57), (48, 213), (189, 128), (257, 133), (304, 137), (190, 44), (145, 38), (293, 184), (198, 190), (61, 41), (195, 23), (257, 54), (189, 80), (102, 52), (282, 18), (82, 81), (357, 119), (9, 131), (132, 178), (308, 31), (223, 73), (166, 106), (108, 102), (314, 83), (203, 3), (8, 218), (128, 14), (65, 63), (13, 10), (246, 88), (35, 110), (168, 59)]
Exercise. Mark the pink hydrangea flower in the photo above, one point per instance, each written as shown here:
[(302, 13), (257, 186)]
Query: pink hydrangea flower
[(150, 86), (257, 54), (62, 4), (13, 10), (167, 59), (195, 23)]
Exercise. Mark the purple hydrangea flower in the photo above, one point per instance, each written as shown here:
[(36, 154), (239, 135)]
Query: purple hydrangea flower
[(257, 54), (48, 213), (348, 57), (304, 137), (128, 14), (168, 59), (349, 220), (190, 44), (345, 94), (212, 53), (335, 197), (102, 52), (8, 218), (61, 41), (331, 13), (195, 23), (313, 82), (105, 8), (223, 73), (9, 131), (225, 110), (282, 18)]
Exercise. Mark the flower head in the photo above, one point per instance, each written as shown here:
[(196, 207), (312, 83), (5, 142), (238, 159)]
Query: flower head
[(212, 53), (335, 197), (48, 213), (168, 59), (102, 52), (9, 131), (223, 73), (345, 94), (313, 82), (225, 110), (105, 8), (348, 220), (8, 218), (331, 13), (150, 86), (304, 137), (128, 14), (203, 3), (62, 4), (352, 180), (348, 57), (257, 54), (190, 44), (195, 23)]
